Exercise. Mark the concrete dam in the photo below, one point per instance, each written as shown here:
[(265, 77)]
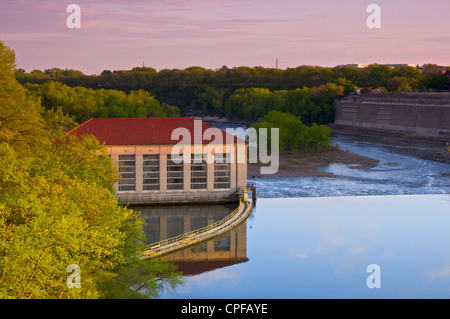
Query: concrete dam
[(426, 114)]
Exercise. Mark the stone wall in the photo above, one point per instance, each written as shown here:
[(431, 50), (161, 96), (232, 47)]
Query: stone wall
[(420, 113)]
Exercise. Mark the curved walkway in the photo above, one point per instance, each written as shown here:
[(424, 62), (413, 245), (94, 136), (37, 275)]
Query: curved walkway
[(199, 235)]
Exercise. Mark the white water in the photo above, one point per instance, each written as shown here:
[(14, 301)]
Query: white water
[(400, 171)]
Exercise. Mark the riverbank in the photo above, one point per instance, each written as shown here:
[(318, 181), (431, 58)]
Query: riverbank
[(307, 164), (442, 156), (396, 135), (216, 119)]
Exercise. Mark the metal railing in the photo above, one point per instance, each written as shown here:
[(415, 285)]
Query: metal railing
[(193, 236), (126, 198)]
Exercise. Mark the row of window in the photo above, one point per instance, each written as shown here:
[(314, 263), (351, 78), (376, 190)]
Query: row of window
[(175, 172)]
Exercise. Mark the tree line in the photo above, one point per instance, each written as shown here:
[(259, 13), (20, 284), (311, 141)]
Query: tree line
[(147, 78), (197, 90), (85, 103), (312, 105)]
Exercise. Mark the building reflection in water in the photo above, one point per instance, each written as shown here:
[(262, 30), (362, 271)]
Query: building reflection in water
[(163, 222)]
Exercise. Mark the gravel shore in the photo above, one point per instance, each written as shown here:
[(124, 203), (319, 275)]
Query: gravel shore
[(439, 156)]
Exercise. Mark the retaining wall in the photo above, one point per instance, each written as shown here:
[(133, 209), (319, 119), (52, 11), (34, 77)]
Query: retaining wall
[(419, 113)]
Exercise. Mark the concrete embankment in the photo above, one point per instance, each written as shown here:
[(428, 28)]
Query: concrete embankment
[(414, 114)]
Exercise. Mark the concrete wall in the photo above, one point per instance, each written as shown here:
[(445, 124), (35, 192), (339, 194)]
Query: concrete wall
[(238, 175), (420, 113)]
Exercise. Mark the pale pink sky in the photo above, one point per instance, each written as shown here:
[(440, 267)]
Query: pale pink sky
[(119, 35)]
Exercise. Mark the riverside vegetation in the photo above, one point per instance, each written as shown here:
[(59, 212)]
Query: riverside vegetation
[(57, 208), (303, 148)]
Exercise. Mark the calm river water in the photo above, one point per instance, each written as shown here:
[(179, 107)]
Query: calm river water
[(321, 248), (316, 237)]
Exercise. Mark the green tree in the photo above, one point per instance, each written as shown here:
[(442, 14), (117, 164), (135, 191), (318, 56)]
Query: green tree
[(57, 208), (318, 137), (438, 82), (21, 125), (347, 85), (412, 74), (136, 278), (294, 135), (348, 73), (399, 84), (379, 75), (85, 103), (209, 100)]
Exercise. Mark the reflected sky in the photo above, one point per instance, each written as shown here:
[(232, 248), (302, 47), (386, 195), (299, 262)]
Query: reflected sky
[(321, 247)]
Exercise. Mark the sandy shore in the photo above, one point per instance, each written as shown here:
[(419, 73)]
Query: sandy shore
[(306, 165)]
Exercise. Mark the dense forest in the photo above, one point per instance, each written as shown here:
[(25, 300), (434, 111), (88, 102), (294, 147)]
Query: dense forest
[(84, 103), (240, 93)]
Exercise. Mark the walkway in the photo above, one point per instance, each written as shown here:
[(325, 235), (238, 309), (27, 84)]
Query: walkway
[(202, 234)]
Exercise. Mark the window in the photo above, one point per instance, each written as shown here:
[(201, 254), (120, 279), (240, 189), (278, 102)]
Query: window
[(222, 168), (198, 171), (174, 174), (197, 223), (127, 171), (175, 226), (151, 172), (152, 230), (223, 243)]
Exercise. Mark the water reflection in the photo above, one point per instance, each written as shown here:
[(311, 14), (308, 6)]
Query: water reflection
[(321, 247), (163, 222)]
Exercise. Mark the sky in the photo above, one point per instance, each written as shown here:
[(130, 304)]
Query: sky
[(120, 35)]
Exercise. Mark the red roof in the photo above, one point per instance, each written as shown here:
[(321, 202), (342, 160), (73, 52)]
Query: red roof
[(147, 131)]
